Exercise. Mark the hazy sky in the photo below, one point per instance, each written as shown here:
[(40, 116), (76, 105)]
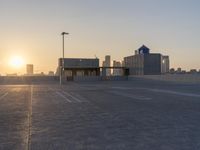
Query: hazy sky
[(31, 29)]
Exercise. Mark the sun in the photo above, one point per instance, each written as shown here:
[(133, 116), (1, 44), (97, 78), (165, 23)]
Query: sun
[(16, 62)]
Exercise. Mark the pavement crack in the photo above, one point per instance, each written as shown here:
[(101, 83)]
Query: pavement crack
[(30, 119)]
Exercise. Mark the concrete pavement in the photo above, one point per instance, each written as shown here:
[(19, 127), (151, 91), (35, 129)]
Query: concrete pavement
[(113, 115)]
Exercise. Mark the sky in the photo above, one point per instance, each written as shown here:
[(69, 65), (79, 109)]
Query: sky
[(31, 30)]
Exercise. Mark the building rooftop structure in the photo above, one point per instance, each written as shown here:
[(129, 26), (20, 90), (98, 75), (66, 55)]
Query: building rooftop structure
[(146, 63), (79, 67), (143, 50), (80, 62)]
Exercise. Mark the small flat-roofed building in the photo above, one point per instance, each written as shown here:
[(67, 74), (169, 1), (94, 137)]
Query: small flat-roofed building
[(79, 67)]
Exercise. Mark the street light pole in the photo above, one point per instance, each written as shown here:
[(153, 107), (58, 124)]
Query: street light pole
[(63, 56)]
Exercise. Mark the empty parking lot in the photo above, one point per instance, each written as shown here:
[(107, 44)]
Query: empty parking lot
[(109, 115)]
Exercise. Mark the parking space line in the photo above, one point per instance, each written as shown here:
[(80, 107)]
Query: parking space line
[(70, 95), (121, 88), (130, 95), (63, 96), (174, 92), (30, 118), (80, 97), (4, 95), (160, 91), (51, 89)]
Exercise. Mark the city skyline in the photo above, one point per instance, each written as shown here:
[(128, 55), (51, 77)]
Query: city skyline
[(31, 30)]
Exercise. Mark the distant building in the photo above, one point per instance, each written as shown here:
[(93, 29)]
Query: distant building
[(146, 63), (165, 64), (12, 74), (39, 74), (51, 73), (57, 72), (123, 64), (107, 63), (79, 67), (29, 69), (117, 72)]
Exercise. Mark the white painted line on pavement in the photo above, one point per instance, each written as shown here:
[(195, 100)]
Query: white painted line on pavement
[(80, 97), (51, 89), (160, 91), (121, 88), (1, 90), (131, 96), (63, 96), (174, 92), (4, 95), (30, 119), (128, 88), (70, 95)]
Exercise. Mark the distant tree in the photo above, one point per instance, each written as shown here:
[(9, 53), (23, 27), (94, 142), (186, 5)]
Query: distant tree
[(172, 70), (193, 71)]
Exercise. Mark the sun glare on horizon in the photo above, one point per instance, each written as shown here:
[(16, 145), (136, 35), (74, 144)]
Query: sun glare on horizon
[(16, 62)]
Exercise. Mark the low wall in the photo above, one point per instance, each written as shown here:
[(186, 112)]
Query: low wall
[(28, 79), (114, 78), (100, 78), (182, 78), (87, 78), (54, 79)]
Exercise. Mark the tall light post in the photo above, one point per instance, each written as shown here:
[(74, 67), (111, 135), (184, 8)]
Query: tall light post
[(63, 56)]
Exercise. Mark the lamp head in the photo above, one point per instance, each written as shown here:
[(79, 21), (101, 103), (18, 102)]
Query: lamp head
[(63, 33)]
